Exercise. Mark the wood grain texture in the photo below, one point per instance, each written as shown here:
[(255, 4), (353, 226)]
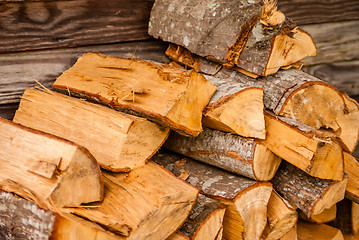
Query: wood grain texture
[(20, 70), (318, 11), (33, 25)]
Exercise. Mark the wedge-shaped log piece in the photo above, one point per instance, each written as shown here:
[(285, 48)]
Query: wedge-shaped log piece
[(311, 150), (326, 216), (246, 200), (318, 231), (351, 166), (281, 216), (22, 219), (294, 94), (347, 219), (205, 221), (168, 95), (291, 235), (177, 236), (147, 203), (46, 168), (251, 36), (235, 107), (310, 194), (231, 152), (118, 141), (230, 96)]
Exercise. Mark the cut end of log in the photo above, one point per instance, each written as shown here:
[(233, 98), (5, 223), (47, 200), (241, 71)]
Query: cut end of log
[(265, 163), (292, 45), (318, 231), (168, 95), (351, 165)]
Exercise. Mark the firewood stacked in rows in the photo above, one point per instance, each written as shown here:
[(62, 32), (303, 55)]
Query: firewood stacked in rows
[(272, 149)]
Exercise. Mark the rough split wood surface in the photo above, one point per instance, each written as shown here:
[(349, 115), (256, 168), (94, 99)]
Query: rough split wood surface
[(46, 169), (168, 95), (118, 141)]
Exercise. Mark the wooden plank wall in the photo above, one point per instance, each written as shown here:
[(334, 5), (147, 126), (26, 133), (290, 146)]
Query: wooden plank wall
[(40, 39)]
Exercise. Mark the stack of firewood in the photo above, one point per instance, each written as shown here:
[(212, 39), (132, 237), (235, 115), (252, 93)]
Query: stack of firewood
[(271, 161)]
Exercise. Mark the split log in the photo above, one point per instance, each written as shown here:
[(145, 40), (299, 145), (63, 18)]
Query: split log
[(293, 94), (310, 194), (177, 236), (222, 110), (281, 217), (347, 219), (170, 96), (231, 152), (45, 168), (22, 219), (246, 200), (318, 231), (326, 216), (205, 221), (118, 141), (351, 166), (291, 235), (235, 107), (250, 36), (313, 151), (147, 203)]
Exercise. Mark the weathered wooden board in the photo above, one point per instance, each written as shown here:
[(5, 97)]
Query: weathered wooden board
[(20, 70), (335, 42), (30, 25), (319, 11)]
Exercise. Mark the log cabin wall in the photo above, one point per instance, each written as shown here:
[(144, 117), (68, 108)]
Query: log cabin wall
[(41, 39)]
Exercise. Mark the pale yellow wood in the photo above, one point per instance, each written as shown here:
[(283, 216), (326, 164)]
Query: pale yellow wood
[(22, 148), (318, 231), (166, 94), (352, 169), (325, 216), (210, 229), (312, 151), (241, 114), (118, 141), (291, 235), (70, 227), (281, 217), (289, 48), (147, 203), (177, 236), (265, 163)]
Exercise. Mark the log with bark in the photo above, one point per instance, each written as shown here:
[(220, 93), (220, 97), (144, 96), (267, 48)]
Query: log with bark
[(314, 151), (310, 194), (147, 203), (326, 216), (347, 218), (296, 95), (246, 200), (205, 220), (231, 152), (351, 167), (46, 168), (23, 219), (281, 217), (235, 107), (118, 141), (168, 95), (318, 231), (249, 35)]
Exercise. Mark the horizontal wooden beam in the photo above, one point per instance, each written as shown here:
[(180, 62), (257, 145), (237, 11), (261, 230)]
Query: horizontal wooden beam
[(30, 25), (319, 11)]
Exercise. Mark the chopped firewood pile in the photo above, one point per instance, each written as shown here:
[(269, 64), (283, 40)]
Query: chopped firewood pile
[(229, 141)]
